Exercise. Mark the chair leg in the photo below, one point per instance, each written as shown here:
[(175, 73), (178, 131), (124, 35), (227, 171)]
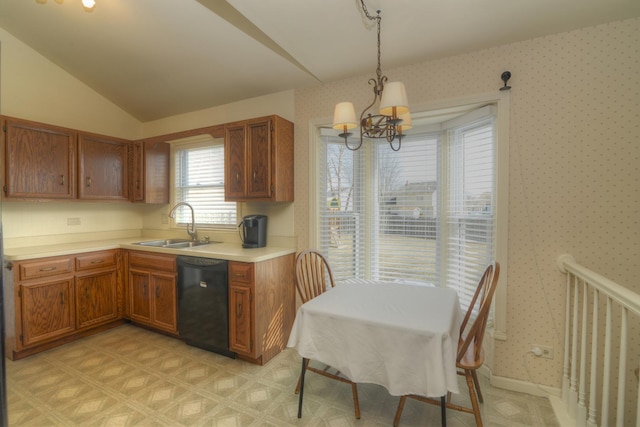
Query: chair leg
[(396, 420), (356, 402), (300, 377), (472, 394), (477, 384)]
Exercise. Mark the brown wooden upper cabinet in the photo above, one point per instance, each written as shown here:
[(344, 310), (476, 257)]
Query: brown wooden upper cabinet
[(259, 160), (39, 161), (47, 162), (103, 168), (150, 182)]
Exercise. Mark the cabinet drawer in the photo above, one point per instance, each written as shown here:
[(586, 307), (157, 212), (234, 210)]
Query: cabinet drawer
[(45, 267), (96, 260), (155, 261), (241, 272)]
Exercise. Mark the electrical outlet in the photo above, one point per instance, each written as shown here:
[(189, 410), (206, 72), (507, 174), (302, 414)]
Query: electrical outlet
[(542, 351), (73, 221)]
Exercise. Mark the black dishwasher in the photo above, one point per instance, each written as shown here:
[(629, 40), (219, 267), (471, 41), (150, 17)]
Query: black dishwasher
[(203, 307)]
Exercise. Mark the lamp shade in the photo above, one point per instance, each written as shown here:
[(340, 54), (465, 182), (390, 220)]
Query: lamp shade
[(394, 95), (405, 124), (344, 116)]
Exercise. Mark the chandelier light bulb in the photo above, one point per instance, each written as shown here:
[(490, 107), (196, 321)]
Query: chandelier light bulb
[(88, 4)]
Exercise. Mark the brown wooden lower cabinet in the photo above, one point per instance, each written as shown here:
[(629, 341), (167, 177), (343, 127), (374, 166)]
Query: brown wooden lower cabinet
[(58, 299), (261, 307), (152, 290), (47, 311), (96, 295)]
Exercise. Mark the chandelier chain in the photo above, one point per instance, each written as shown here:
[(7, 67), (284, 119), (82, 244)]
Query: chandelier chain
[(376, 18)]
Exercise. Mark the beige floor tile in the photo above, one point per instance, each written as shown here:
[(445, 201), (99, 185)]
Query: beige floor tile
[(129, 376)]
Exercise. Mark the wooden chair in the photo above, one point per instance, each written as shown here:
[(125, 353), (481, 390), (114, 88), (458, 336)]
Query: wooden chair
[(470, 355), (313, 277)]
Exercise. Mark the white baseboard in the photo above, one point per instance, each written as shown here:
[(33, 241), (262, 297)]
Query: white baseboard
[(552, 393), (518, 385)]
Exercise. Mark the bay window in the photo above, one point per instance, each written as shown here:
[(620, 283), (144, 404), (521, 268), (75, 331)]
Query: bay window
[(425, 214)]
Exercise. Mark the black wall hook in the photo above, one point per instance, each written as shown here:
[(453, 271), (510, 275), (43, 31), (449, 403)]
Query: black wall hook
[(505, 76)]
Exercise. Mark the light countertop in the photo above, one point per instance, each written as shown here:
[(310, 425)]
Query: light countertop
[(228, 251)]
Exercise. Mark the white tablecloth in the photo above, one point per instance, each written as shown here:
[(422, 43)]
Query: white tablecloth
[(403, 337)]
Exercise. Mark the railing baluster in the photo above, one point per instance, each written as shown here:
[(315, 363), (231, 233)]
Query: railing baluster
[(622, 367), (567, 337), (638, 404), (581, 415), (591, 421), (606, 380), (573, 398)]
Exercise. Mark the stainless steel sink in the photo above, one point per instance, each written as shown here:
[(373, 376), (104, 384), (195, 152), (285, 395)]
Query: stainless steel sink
[(188, 244), (173, 243)]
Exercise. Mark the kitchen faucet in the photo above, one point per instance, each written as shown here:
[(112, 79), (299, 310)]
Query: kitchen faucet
[(192, 231)]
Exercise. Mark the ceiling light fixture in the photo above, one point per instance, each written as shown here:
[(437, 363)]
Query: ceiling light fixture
[(393, 118), (88, 5)]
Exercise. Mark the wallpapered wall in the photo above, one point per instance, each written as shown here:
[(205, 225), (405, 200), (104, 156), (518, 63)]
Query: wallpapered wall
[(574, 167)]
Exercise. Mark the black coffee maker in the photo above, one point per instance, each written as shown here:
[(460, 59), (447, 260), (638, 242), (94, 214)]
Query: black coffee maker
[(253, 231)]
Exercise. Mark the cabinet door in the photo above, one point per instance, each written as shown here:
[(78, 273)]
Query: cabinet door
[(40, 161), (234, 168), (240, 320), (139, 300), (103, 172), (164, 305), (96, 298), (137, 181), (47, 310), (259, 159), (150, 183)]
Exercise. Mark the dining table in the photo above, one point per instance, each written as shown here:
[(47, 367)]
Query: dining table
[(401, 336)]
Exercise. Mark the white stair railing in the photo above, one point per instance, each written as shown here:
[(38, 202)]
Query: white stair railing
[(586, 391)]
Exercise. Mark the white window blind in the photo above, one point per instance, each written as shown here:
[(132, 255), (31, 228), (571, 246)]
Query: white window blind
[(404, 245), (199, 181), (341, 219), (468, 226), (424, 214)]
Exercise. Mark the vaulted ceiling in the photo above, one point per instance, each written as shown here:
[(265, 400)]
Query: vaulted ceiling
[(158, 58)]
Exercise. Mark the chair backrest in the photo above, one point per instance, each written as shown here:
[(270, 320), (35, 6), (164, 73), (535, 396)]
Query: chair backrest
[(313, 274), (474, 334)]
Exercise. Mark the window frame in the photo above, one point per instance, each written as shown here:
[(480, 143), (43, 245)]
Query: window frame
[(502, 103), (194, 142)]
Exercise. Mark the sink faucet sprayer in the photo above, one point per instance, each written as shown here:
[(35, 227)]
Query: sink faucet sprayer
[(192, 231)]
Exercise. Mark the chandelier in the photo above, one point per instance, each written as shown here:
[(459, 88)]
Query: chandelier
[(393, 116)]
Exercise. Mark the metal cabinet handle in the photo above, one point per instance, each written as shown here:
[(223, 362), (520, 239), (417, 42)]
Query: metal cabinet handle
[(88, 181), (48, 268), (239, 310), (61, 298), (237, 177), (86, 292), (97, 261), (144, 290), (61, 179), (157, 291), (255, 171)]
